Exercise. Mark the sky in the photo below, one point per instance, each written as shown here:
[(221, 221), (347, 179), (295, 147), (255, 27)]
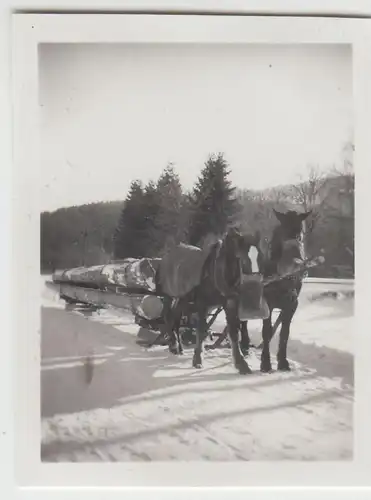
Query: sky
[(112, 113)]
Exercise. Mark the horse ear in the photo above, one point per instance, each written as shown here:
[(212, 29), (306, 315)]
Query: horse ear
[(305, 215), (279, 215)]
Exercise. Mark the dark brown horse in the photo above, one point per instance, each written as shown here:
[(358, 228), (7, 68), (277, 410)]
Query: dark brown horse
[(252, 262), (219, 285), (286, 253)]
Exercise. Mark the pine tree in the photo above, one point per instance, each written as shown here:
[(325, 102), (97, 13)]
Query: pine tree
[(167, 227), (185, 215), (150, 212), (130, 235), (214, 202)]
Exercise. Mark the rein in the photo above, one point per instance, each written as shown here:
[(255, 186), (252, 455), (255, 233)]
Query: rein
[(293, 275)]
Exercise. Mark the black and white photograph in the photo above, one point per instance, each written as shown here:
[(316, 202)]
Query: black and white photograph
[(196, 252)]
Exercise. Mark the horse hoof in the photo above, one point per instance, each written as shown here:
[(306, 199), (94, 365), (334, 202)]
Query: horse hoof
[(266, 368), (244, 369), (173, 350), (283, 366), (197, 362)]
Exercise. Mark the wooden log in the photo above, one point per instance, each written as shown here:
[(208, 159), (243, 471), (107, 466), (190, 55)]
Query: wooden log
[(146, 306)]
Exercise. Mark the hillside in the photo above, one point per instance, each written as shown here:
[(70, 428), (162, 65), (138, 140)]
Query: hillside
[(80, 235), (83, 235)]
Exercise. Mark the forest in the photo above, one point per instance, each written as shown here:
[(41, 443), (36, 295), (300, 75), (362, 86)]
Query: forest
[(159, 214)]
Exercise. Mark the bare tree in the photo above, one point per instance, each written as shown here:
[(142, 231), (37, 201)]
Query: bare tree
[(346, 172), (278, 195), (257, 212), (307, 192), (310, 194), (346, 197), (346, 189)]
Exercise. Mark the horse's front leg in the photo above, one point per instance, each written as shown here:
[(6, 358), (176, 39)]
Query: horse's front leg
[(287, 315), (201, 334), (172, 323), (245, 339), (233, 322), (265, 361), (178, 313), (176, 344)]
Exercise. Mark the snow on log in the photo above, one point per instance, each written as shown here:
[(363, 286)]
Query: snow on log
[(149, 307), (93, 285), (134, 274)]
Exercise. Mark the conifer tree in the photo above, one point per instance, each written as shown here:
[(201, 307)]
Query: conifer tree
[(214, 202), (150, 212), (167, 228), (130, 234)]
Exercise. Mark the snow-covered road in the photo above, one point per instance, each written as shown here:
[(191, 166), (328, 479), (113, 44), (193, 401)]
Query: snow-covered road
[(128, 404)]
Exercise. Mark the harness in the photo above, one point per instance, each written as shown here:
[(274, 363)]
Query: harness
[(218, 272)]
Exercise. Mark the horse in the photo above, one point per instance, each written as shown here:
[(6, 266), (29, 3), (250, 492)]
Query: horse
[(286, 253), (252, 262), (218, 284)]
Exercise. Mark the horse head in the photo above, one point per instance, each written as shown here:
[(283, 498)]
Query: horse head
[(291, 223), (287, 245)]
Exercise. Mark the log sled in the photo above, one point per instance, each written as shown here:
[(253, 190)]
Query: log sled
[(130, 285)]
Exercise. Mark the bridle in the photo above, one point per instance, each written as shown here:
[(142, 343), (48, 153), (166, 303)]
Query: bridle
[(297, 275)]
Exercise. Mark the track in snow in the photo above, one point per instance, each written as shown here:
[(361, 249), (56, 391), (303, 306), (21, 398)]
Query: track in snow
[(130, 404)]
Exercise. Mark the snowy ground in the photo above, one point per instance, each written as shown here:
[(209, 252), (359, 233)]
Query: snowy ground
[(130, 404)]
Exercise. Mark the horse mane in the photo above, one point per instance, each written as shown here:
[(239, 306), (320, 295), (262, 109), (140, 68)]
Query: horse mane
[(224, 266), (275, 245)]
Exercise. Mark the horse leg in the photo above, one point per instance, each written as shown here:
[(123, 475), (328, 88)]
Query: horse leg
[(233, 322), (201, 334), (245, 339), (265, 362), (287, 315), (178, 311), (170, 324)]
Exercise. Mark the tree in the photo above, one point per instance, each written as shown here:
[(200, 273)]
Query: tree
[(130, 236), (214, 204), (257, 212), (344, 217), (308, 194), (80, 234), (185, 216), (346, 173), (331, 229), (169, 191), (151, 219), (151, 207)]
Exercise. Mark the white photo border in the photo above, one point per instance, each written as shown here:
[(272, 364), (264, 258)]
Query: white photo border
[(29, 30)]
